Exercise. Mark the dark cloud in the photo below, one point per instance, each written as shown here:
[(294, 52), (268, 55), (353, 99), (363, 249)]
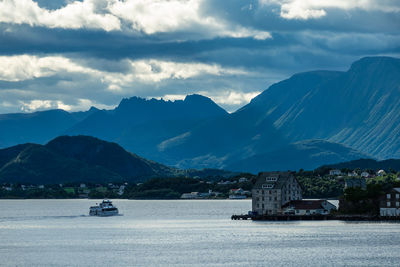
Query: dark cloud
[(329, 42)]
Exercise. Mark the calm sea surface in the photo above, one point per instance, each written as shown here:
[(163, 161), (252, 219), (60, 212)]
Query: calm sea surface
[(183, 232)]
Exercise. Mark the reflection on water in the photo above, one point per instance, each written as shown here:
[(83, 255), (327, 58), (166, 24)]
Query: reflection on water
[(183, 232)]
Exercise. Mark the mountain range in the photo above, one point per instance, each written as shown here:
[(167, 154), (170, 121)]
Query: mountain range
[(308, 120)]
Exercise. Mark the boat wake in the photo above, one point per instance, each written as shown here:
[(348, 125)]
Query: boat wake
[(34, 218)]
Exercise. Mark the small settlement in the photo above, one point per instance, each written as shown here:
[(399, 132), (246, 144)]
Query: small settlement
[(279, 196)]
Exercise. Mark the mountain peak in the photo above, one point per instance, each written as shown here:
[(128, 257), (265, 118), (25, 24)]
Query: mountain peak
[(375, 63), (197, 97)]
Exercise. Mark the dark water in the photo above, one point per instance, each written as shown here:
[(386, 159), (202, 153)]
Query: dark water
[(182, 233)]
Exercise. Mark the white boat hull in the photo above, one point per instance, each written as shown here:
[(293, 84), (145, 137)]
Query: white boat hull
[(106, 208)]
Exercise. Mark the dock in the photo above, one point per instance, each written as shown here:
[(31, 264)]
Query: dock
[(241, 217), (316, 217)]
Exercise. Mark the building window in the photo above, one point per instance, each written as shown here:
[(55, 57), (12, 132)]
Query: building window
[(397, 204), (397, 196), (263, 199), (257, 199), (258, 205), (271, 179), (267, 186), (263, 206), (388, 204), (388, 196), (270, 198)]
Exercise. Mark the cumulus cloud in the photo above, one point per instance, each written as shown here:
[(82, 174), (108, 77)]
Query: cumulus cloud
[(24, 67), (80, 104), (147, 16), (308, 9), (46, 81), (154, 16), (73, 16), (233, 98)]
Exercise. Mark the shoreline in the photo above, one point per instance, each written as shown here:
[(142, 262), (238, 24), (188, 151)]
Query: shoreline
[(336, 217)]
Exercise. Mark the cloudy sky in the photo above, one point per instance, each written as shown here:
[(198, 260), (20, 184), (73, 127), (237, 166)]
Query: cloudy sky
[(74, 54)]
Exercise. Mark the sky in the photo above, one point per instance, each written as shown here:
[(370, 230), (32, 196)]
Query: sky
[(72, 54)]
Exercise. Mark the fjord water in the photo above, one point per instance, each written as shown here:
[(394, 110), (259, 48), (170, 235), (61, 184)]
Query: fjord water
[(183, 232)]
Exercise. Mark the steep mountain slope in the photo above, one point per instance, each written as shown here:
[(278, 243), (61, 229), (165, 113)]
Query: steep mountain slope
[(306, 155), (37, 127), (226, 139), (74, 159), (359, 108)]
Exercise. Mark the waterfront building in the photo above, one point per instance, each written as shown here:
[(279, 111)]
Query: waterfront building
[(390, 203), (272, 190), (308, 207)]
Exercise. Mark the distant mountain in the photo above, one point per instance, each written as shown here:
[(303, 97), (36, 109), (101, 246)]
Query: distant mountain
[(140, 125), (37, 127), (74, 159), (307, 155), (365, 164)]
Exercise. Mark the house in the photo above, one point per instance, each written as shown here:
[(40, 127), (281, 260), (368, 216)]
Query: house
[(308, 207), (272, 190), (335, 172), (365, 174), (381, 173), (390, 203), (355, 182), (82, 186), (237, 194), (238, 191), (352, 174)]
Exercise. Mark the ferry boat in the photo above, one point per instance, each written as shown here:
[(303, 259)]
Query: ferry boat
[(105, 208)]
